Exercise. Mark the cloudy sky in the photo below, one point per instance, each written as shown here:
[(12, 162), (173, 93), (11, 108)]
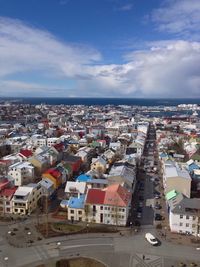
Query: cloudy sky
[(100, 48)]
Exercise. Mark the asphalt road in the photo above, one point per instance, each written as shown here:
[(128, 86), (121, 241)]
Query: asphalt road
[(116, 251)]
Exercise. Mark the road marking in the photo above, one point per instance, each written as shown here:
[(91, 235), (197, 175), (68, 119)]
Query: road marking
[(86, 245)]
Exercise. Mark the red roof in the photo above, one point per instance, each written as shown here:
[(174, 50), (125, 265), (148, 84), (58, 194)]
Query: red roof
[(4, 183), (5, 161), (8, 192), (95, 196), (54, 172), (26, 153), (59, 147)]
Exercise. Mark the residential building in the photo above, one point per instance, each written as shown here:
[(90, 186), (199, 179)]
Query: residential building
[(75, 208), (184, 215), (26, 198), (109, 206), (22, 173), (176, 177)]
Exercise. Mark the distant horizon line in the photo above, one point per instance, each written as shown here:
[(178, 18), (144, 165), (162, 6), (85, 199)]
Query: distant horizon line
[(76, 97)]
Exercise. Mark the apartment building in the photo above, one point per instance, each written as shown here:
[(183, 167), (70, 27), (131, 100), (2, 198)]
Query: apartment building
[(109, 206), (22, 173), (25, 199), (176, 178)]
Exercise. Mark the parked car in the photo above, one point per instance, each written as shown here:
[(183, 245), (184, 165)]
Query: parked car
[(139, 209), (158, 206), (139, 215), (141, 198), (140, 204), (151, 239), (158, 217), (156, 196)]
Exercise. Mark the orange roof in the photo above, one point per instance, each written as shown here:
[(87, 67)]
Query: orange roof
[(116, 195)]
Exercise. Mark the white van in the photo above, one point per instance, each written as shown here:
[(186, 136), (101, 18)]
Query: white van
[(151, 239)]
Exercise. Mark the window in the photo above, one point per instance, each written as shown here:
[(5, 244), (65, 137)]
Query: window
[(194, 218), (105, 208), (101, 208), (123, 210), (108, 208), (72, 211), (193, 225), (181, 216), (187, 217), (181, 224), (187, 224), (8, 209), (7, 202), (94, 208), (79, 212)]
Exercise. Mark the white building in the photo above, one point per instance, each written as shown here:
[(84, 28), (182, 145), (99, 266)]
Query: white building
[(108, 206), (184, 215), (22, 173), (25, 199)]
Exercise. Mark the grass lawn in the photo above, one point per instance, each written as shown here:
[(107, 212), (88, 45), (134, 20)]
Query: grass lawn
[(67, 228)]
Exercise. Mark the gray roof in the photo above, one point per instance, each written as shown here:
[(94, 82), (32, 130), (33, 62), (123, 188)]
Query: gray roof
[(173, 170), (187, 206)]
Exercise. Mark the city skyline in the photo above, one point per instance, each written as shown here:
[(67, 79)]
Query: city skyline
[(108, 48)]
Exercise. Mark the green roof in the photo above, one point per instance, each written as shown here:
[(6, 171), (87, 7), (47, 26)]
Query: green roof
[(171, 194)]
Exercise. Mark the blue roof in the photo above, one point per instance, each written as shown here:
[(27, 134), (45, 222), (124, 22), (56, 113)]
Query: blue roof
[(76, 203), (163, 155), (192, 167), (83, 178)]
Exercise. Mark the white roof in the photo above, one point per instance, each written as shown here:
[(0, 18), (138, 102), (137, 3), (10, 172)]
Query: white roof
[(75, 186), (23, 190)]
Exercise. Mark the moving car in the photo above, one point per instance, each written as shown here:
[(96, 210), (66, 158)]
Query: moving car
[(151, 239)]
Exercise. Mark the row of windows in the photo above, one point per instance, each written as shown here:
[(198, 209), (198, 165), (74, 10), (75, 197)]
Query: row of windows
[(114, 216), (79, 212), (113, 209), (187, 225), (187, 217)]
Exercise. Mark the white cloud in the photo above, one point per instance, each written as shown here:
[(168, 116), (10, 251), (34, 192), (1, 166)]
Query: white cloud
[(24, 48), (164, 69), (179, 17)]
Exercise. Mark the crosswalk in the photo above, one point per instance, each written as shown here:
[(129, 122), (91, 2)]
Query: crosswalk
[(137, 261)]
